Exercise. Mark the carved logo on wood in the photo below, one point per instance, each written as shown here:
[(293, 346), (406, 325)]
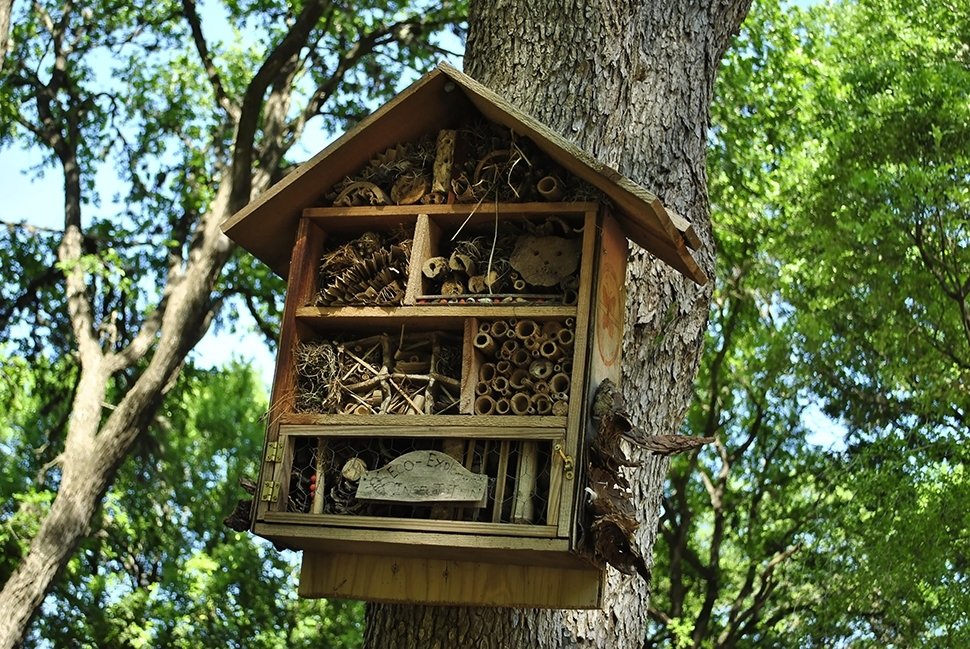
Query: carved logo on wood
[(610, 333), (423, 477)]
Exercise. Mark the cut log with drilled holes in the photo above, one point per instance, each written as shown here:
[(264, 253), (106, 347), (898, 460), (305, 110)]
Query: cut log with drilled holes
[(444, 161), (545, 261)]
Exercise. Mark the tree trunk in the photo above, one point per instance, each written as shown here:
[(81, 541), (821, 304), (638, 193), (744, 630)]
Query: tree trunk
[(6, 8), (94, 449), (630, 82)]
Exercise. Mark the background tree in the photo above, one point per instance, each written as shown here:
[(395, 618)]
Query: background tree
[(195, 135), (834, 162), (609, 76), (159, 569)]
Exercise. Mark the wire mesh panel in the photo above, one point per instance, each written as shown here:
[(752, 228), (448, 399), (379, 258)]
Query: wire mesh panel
[(327, 471)]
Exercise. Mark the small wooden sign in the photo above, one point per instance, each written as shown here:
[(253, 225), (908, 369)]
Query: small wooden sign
[(423, 477)]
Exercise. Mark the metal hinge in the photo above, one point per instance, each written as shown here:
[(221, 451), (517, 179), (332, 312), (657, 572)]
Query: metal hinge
[(274, 452), (270, 492), (568, 466)]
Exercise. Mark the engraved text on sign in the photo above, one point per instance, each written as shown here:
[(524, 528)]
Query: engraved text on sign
[(422, 477)]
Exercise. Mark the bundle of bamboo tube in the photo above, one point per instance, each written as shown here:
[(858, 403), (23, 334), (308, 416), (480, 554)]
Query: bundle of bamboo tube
[(525, 367)]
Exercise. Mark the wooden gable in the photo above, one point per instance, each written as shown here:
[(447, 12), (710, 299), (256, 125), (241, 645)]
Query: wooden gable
[(442, 99)]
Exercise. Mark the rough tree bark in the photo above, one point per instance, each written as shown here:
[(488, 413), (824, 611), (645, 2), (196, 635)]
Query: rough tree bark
[(6, 8), (97, 442), (631, 82)]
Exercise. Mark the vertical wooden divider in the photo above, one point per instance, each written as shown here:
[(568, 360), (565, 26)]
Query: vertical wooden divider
[(424, 246), (578, 383), (470, 363), (300, 287)]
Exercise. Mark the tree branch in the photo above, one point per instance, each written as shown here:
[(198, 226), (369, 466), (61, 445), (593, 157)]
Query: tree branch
[(291, 44), (202, 47)]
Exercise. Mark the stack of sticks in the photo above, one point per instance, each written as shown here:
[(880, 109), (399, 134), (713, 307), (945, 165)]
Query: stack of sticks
[(381, 374), (525, 368)]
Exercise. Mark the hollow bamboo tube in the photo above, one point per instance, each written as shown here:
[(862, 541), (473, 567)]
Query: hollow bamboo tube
[(317, 506), (485, 343), (485, 327), (500, 384), (542, 404), (549, 349), (502, 406), (549, 188), (526, 329), (541, 387), (486, 372), (483, 387), (520, 404), (519, 285), (540, 369), (532, 343), (570, 296), (565, 337), (523, 510), (559, 382), (551, 328), (520, 379), (569, 322), (521, 358), (503, 367), (509, 347), (484, 405), (499, 328), (567, 366)]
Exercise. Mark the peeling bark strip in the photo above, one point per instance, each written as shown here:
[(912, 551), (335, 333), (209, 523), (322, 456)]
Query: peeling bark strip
[(632, 84)]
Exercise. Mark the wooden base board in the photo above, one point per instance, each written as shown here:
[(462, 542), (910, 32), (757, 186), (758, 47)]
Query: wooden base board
[(404, 580)]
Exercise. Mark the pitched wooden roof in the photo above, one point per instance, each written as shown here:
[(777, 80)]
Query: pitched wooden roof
[(267, 226)]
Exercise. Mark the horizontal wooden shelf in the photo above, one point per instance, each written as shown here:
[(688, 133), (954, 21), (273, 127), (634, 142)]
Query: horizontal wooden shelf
[(462, 209), (430, 429), (431, 314), (482, 426), (505, 549), (413, 524)]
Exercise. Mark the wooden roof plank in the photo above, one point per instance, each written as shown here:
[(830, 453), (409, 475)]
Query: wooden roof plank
[(267, 226)]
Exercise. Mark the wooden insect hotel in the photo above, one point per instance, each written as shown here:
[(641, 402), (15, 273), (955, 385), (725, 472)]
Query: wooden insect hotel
[(455, 293)]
